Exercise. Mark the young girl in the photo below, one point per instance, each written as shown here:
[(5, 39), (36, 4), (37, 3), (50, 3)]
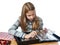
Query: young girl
[(29, 22)]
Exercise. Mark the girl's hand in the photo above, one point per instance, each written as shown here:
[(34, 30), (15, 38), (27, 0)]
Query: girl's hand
[(27, 36), (45, 30), (31, 35)]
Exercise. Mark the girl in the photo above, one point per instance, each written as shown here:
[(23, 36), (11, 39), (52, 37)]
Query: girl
[(29, 22)]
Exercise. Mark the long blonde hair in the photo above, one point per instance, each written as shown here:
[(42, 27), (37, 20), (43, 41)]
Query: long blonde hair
[(27, 7)]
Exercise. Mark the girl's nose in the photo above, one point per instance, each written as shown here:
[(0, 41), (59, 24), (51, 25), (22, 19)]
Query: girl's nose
[(31, 17)]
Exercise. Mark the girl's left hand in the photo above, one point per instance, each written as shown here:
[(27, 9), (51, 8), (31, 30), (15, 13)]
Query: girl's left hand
[(45, 30)]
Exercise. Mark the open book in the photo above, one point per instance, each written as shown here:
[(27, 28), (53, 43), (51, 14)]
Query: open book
[(41, 37)]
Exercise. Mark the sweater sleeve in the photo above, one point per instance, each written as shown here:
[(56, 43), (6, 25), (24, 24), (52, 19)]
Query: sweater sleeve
[(13, 30)]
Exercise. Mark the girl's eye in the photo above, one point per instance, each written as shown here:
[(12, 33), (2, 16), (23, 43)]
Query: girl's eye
[(29, 15), (32, 14)]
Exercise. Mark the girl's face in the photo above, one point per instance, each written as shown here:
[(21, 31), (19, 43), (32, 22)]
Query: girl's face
[(30, 15)]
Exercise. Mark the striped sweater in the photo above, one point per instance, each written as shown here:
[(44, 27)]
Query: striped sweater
[(13, 29)]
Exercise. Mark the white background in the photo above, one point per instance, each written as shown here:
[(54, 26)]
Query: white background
[(48, 10)]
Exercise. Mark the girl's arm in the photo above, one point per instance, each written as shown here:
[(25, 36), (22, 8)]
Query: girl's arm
[(13, 30)]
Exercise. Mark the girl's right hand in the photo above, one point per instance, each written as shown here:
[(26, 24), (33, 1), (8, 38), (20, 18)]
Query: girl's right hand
[(31, 35), (27, 36)]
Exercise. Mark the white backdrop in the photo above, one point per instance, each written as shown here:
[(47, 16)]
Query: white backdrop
[(48, 10)]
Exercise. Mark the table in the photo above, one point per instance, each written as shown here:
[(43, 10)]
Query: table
[(6, 36), (47, 43), (13, 42)]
